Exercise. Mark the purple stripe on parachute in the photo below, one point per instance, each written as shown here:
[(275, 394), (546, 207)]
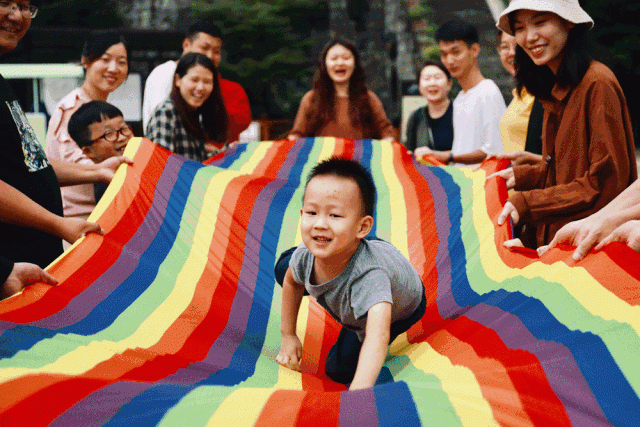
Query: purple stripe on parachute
[(222, 350), (557, 361), (80, 306), (98, 407), (358, 408), (563, 377)]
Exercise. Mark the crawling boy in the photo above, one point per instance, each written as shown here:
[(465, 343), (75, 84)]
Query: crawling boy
[(367, 285), (100, 131)]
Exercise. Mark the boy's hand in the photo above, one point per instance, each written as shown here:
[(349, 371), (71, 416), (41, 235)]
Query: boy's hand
[(290, 352), (107, 168)]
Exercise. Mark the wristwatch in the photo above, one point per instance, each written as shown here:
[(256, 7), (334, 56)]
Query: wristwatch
[(450, 157)]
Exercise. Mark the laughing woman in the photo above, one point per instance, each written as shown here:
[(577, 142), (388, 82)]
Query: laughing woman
[(106, 64), (192, 122), (340, 105), (430, 128), (587, 145)]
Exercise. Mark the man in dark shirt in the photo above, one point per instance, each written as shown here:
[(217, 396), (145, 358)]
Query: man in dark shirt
[(31, 223)]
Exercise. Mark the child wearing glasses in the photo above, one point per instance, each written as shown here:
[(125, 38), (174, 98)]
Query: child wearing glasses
[(100, 131)]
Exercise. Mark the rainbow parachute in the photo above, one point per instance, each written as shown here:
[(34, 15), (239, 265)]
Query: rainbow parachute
[(172, 317)]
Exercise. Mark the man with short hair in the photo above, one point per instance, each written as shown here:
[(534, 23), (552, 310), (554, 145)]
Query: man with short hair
[(31, 223), (479, 106), (205, 38)]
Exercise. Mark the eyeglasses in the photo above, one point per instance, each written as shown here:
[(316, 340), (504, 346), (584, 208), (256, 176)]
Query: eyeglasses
[(112, 135), (8, 7)]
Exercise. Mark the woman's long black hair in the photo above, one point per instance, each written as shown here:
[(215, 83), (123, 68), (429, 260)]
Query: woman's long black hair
[(215, 122), (576, 58)]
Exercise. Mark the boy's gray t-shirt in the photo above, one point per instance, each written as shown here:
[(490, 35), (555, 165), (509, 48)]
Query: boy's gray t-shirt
[(377, 272)]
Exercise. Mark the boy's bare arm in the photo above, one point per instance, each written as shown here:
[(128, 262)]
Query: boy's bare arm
[(291, 348), (374, 347)]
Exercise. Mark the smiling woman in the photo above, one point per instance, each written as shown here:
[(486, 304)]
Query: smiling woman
[(105, 61), (587, 143), (340, 105), (193, 122), (431, 127)]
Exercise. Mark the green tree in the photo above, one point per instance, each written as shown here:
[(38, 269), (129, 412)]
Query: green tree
[(270, 48), (423, 16)]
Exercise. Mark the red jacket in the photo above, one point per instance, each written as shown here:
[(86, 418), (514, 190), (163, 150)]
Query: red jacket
[(237, 105)]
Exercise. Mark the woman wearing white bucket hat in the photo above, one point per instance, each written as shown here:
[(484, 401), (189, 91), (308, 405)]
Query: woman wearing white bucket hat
[(588, 150)]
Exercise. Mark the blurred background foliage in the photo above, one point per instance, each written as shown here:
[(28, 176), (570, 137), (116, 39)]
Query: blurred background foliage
[(617, 35), (271, 45), (422, 17), (270, 48)]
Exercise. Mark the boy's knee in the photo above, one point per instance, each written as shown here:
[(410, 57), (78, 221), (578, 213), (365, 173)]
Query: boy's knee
[(341, 376)]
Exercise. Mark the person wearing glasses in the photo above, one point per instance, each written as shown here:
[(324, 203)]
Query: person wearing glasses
[(100, 131), (105, 61), (25, 8), (31, 223)]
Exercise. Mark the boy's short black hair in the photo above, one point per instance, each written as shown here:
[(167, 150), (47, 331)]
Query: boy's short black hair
[(203, 27), (346, 168), (457, 29), (87, 114)]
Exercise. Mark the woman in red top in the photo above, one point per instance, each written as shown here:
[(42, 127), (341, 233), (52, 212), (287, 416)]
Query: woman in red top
[(340, 105), (588, 154)]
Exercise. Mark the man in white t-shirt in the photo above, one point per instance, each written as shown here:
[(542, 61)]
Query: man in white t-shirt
[(205, 38), (479, 106)]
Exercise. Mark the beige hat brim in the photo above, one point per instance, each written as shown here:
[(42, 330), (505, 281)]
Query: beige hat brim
[(569, 10)]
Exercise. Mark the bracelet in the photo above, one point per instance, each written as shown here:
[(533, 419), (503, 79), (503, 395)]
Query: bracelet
[(450, 157)]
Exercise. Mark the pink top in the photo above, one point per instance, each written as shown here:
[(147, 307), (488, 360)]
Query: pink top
[(77, 200)]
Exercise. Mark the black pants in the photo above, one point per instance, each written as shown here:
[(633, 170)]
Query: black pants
[(342, 360)]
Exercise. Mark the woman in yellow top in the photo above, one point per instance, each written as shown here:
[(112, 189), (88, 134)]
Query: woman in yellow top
[(521, 124)]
